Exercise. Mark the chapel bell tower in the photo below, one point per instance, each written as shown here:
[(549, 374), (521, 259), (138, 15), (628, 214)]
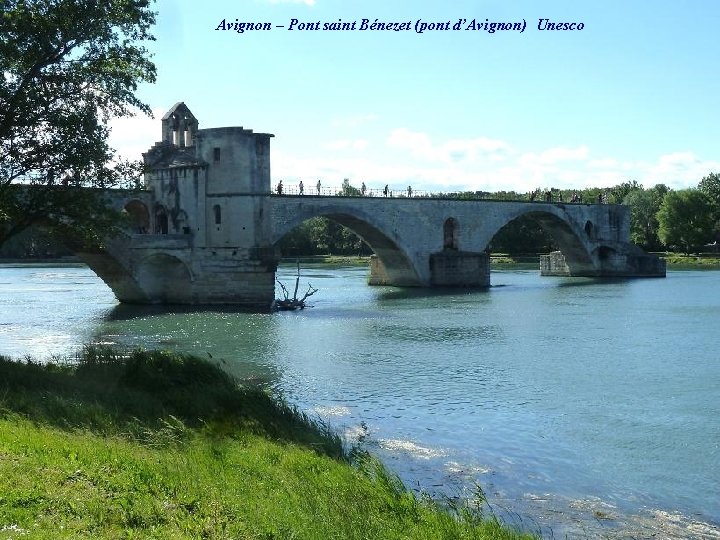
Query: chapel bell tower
[(179, 126)]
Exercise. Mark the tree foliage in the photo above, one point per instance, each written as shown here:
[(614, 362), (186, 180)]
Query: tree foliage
[(685, 219), (69, 66), (322, 236), (710, 185), (522, 235), (644, 205)]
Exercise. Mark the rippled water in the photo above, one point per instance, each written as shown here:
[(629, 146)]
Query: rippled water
[(588, 407)]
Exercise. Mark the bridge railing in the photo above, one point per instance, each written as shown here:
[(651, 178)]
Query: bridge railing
[(340, 191)]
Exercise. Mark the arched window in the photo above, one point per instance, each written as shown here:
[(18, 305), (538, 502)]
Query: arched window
[(450, 229), (138, 215), (161, 221), (218, 214), (590, 230)]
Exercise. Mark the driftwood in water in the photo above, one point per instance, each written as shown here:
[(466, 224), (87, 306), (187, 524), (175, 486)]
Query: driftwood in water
[(287, 303)]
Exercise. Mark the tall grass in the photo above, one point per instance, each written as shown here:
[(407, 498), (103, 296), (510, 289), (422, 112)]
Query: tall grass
[(111, 392), (160, 445)]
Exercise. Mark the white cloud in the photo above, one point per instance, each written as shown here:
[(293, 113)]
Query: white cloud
[(473, 149), (133, 136), (678, 170), (433, 168), (603, 163), (416, 142), (420, 145), (552, 156)]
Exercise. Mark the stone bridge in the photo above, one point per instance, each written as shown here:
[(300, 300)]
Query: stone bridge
[(421, 242), (441, 242), (204, 228)]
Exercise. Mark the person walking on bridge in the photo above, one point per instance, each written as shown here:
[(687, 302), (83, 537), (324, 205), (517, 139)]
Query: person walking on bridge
[(385, 191), (318, 187), (302, 188), (363, 189), (279, 188)]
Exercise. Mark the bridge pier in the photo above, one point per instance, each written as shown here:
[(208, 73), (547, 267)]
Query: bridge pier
[(452, 268), (448, 268), (628, 262), (378, 274)]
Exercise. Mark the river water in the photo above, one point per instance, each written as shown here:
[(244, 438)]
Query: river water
[(581, 407)]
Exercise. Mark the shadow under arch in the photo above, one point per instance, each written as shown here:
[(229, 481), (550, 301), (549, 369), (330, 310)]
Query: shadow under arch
[(395, 262), (165, 279), (572, 240)]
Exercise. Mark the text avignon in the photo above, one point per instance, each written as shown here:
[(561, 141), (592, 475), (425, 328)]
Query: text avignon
[(242, 27), (419, 26)]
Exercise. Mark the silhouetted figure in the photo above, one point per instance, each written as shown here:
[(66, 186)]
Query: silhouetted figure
[(318, 187), (385, 191), (279, 188), (302, 188)]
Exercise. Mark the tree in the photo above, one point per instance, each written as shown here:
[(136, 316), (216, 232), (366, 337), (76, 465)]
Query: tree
[(69, 66), (619, 192), (710, 185), (349, 190), (522, 235), (644, 205), (685, 219)]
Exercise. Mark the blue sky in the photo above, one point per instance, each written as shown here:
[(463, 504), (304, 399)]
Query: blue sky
[(635, 95)]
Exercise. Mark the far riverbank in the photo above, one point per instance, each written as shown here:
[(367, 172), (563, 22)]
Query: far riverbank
[(675, 261)]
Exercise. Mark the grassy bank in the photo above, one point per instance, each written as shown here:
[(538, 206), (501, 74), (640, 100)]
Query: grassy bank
[(166, 446), (679, 261), (338, 260)]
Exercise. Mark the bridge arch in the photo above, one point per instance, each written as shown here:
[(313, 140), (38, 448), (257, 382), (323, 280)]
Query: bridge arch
[(395, 261), (575, 241), (165, 279)]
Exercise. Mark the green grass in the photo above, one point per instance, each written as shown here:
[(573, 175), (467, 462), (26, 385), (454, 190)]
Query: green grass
[(157, 445), (678, 261), (338, 260)]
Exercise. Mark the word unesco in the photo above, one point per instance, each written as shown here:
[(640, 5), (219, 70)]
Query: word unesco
[(419, 26)]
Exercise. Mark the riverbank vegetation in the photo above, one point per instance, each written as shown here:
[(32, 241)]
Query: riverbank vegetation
[(155, 444)]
